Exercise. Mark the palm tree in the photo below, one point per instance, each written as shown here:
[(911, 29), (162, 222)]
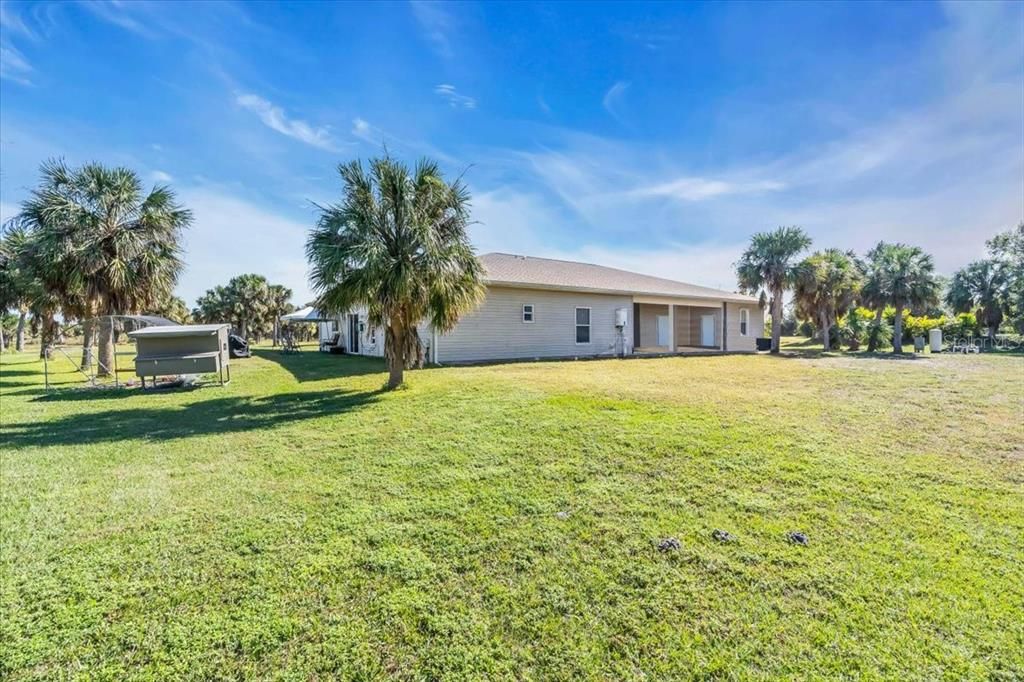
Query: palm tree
[(397, 244), (280, 297), (874, 294), (982, 285), (249, 301), (909, 280), (116, 250), (826, 288), (768, 267)]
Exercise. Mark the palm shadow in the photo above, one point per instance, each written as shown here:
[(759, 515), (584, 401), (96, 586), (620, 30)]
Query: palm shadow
[(315, 366), (220, 415)]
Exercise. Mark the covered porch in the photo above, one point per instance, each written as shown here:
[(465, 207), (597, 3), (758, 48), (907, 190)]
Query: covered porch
[(678, 326)]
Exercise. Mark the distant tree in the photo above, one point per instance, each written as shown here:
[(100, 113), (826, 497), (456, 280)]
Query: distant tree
[(984, 287), (1007, 249), (171, 307), (248, 303), (107, 247), (397, 244), (909, 282), (769, 267), (826, 287), (874, 293), (279, 304)]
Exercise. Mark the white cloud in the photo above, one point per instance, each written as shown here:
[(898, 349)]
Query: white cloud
[(363, 130), (14, 23), (8, 211), (161, 176), (455, 99), (698, 189), (436, 24), (117, 13), (13, 65), (275, 118), (613, 97)]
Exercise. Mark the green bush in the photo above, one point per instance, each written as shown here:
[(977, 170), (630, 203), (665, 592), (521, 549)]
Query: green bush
[(920, 326), (964, 324)]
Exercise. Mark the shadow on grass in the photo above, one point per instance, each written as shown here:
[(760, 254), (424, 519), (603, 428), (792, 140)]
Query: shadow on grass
[(315, 366), (220, 415)]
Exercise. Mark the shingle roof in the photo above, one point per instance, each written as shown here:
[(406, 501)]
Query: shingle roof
[(547, 273)]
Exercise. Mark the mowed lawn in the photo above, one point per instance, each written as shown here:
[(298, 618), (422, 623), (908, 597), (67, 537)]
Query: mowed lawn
[(501, 522)]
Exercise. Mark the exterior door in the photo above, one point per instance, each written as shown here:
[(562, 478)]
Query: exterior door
[(662, 330), (707, 330), (353, 333)]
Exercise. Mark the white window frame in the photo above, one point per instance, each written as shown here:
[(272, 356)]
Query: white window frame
[(589, 325), (744, 324), (531, 313)]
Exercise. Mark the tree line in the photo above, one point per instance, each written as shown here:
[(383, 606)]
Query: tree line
[(835, 290), (91, 242)]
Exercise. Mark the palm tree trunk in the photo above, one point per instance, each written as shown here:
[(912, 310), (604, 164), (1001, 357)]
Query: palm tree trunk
[(776, 320), (873, 335), (88, 339), (107, 348), (19, 334), (826, 328), (46, 335), (897, 331), (3, 346)]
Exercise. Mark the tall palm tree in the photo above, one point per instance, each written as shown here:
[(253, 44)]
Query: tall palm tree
[(826, 288), (909, 279), (397, 244), (115, 247), (982, 285), (874, 293), (769, 267)]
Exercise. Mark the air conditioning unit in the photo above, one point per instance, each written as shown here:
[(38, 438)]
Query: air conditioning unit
[(620, 318)]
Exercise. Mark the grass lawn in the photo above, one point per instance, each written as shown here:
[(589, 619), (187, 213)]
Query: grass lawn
[(501, 522)]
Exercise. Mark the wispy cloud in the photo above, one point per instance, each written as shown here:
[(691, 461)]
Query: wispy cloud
[(437, 24), (119, 14), (275, 118), (13, 65), (161, 176), (14, 23), (455, 99), (613, 97), (698, 189), (364, 131)]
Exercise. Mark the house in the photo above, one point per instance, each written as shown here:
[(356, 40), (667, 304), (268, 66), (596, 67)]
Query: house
[(545, 308)]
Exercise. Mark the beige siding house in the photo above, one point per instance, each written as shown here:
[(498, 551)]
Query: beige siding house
[(544, 308)]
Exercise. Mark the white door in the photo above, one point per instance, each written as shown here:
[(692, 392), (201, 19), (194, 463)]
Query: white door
[(707, 330), (662, 330)]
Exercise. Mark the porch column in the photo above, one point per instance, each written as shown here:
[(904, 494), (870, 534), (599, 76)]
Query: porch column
[(671, 328), (722, 345)]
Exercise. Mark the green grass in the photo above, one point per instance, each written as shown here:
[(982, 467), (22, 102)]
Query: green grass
[(301, 524)]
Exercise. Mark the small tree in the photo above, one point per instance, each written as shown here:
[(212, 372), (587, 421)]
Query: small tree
[(768, 267), (397, 244), (826, 287), (909, 281), (983, 286)]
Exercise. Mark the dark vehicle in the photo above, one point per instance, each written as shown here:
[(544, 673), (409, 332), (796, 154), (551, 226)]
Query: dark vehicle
[(238, 347)]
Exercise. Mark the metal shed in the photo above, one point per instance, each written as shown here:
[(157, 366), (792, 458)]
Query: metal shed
[(182, 349)]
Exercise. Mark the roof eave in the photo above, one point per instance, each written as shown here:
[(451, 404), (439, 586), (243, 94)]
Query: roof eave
[(724, 296)]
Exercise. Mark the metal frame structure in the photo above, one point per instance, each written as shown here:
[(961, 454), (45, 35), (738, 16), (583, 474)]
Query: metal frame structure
[(120, 324)]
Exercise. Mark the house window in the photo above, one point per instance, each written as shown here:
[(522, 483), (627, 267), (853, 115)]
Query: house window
[(583, 325), (744, 321), (528, 313)]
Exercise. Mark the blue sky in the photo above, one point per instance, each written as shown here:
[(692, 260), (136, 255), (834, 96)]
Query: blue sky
[(654, 137)]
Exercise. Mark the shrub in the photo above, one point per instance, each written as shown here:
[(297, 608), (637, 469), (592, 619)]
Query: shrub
[(964, 324)]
